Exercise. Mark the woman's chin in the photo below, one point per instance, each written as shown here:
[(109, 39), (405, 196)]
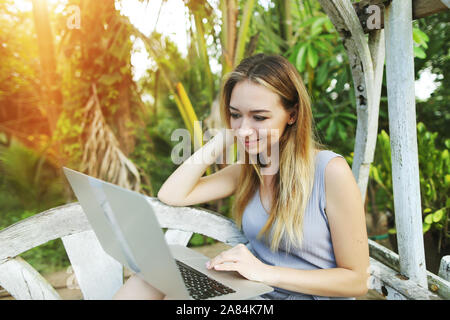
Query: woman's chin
[(254, 151)]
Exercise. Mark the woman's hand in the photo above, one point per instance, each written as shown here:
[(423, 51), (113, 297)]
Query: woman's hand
[(240, 259)]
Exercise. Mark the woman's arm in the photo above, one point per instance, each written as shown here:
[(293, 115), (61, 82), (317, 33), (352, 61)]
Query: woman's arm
[(345, 212), (346, 219), (180, 184)]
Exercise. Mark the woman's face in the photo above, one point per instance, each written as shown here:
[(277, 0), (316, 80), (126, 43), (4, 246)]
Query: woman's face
[(257, 116)]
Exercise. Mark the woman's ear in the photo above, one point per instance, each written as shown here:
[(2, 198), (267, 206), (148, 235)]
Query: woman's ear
[(293, 115)]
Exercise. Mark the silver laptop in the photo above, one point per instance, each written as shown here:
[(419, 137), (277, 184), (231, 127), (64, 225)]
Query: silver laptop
[(128, 230)]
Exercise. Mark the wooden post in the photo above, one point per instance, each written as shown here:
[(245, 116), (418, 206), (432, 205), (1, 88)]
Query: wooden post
[(402, 127), (366, 60), (444, 268)]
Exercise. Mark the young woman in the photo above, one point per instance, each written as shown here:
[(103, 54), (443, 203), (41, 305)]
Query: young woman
[(305, 220)]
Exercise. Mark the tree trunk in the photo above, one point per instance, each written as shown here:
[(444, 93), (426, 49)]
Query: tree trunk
[(51, 94), (122, 119)]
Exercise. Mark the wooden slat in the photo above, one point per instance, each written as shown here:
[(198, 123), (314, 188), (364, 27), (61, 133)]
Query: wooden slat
[(178, 237), (23, 282), (202, 221), (425, 8), (98, 274), (395, 287), (70, 219), (436, 283), (41, 228)]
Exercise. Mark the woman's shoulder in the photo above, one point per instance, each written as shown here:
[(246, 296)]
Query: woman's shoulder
[(332, 165), (324, 156), (327, 152), (335, 168)]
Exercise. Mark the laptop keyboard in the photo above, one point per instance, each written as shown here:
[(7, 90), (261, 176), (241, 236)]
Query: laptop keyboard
[(199, 285)]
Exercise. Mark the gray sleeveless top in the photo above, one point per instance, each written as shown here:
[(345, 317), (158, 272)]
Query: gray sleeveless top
[(317, 248)]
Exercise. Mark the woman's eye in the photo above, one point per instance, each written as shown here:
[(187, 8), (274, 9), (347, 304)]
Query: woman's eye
[(259, 118)]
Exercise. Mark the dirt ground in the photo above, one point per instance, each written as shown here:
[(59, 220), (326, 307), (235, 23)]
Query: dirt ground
[(65, 283)]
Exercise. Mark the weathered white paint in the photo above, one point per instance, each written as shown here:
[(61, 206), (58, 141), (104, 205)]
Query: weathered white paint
[(98, 274), (444, 268), (386, 280), (41, 228), (70, 219), (206, 222), (403, 134), (436, 283), (366, 61), (23, 282), (178, 237)]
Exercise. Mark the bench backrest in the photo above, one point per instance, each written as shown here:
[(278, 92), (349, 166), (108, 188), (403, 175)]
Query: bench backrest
[(98, 275)]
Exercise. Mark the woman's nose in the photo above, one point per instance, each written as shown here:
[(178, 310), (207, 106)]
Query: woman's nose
[(244, 132)]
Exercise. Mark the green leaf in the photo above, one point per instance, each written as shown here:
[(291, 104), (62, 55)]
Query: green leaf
[(447, 180), (313, 57), (376, 175), (196, 240), (316, 27), (323, 122), (349, 115), (293, 53), (420, 127), (445, 156), (341, 132), (420, 37), (322, 45), (438, 215), (419, 53), (308, 22), (425, 227), (447, 143), (331, 130), (329, 26), (429, 219), (300, 62), (322, 74), (428, 189)]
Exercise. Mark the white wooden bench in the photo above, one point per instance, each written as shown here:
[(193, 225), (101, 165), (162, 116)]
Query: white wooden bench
[(99, 276)]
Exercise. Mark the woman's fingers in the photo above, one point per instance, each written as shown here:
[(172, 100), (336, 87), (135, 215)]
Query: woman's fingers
[(220, 259), (227, 266), (228, 256)]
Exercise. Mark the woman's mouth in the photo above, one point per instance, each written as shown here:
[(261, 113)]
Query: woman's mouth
[(250, 143)]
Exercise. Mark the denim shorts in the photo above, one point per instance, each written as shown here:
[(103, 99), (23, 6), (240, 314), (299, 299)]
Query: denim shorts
[(277, 295)]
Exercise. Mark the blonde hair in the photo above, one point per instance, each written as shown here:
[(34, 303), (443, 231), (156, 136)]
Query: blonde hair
[(294, 180)]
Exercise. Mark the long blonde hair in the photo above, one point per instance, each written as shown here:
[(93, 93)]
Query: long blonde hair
[(294, 180)]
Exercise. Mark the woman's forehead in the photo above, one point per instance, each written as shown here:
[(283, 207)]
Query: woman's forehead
[(248, 96)]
